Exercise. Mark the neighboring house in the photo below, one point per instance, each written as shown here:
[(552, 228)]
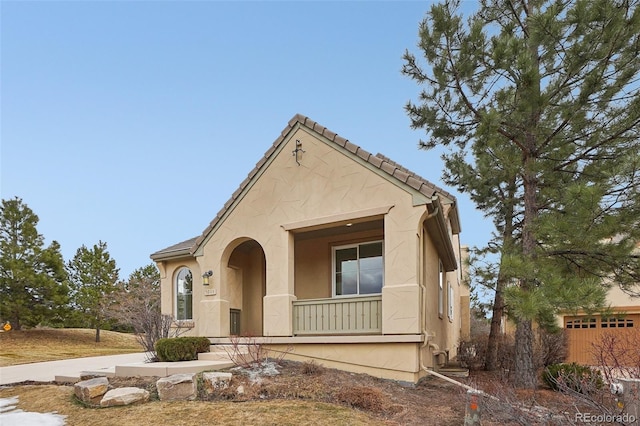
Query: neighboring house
[(331, 253), (622, 316)]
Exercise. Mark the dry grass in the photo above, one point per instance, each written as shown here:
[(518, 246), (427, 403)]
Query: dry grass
[(49, 398), (51, 344), (27, 346), (302, 394)]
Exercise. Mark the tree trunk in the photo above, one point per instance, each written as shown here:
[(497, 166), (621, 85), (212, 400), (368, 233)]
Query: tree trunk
[(15, 322), (524, 375), (97, 334), (495, 332)]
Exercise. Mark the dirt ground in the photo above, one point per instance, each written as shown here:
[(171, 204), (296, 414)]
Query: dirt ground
[(432, 401)]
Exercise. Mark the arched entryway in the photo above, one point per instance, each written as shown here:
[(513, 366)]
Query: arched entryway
[(247, 261)]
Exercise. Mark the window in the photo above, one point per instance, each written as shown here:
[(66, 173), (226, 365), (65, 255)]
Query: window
[(440, 289), (617, 323), (450, 302), (184, 297), (581, 323), (358, 269)]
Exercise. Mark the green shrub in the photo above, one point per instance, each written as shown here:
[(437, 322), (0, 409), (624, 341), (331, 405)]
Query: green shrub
[(576, 377), (181, 348)]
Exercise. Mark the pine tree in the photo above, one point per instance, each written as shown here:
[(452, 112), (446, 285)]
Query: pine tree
[(32, 276), (551, 89), (93, 276)]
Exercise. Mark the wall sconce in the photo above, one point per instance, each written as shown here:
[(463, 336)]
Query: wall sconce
[(205, 277)]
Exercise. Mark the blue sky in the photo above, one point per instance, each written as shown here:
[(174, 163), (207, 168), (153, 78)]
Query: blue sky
[(132, 122)]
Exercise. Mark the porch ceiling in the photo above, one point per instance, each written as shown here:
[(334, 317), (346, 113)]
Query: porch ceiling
[(341, 230)]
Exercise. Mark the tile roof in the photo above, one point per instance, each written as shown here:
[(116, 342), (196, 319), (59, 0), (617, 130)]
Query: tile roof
[(379, 161), (183, 247)]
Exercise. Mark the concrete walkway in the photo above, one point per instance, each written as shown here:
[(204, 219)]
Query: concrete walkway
[(47, 371), (126, 365)]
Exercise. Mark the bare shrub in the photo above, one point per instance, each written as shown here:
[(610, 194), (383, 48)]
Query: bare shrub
[(137, 303), (312, 368), (589, 396), (617, 354), (247, 351), (580, 378), (473, 352), (363, 398), (510, 408), (550, 347)]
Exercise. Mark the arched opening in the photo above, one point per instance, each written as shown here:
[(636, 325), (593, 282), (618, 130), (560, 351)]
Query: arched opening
[(247, 288)]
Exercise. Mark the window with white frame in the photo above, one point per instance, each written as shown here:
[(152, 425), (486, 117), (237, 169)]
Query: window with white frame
[(184, 296), (440, 289), (450, 301), (358, 269)]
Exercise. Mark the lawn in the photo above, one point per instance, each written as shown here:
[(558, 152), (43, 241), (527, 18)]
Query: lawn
[(48, 398), (51, 344)]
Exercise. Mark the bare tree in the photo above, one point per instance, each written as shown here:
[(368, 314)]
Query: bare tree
[(137, 304)]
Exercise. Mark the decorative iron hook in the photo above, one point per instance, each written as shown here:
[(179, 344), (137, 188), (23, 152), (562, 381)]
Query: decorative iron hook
[(297, 150)]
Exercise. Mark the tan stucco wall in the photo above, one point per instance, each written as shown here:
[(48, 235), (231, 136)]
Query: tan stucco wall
[(273, 211), (326, 183), (393, 361), (617, 297)]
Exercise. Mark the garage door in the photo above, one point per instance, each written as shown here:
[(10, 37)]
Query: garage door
[(582, 331)]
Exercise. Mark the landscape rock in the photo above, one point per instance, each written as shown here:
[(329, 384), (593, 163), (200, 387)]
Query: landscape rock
[(178, 387), (240, 390), (87, 390), (216, 381), (124, 396)]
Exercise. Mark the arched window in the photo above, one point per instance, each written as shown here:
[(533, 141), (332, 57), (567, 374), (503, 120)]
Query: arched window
[(184, 297)]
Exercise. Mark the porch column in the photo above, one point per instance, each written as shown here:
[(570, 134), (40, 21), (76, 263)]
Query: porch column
[(401, 309), (401, 293), (278, 302), (214, 318)]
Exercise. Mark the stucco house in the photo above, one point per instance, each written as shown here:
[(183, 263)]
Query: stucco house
[(338, 255), (583, 330)]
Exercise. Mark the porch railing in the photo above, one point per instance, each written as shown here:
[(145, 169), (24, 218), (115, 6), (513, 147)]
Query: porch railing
[(354, 315)]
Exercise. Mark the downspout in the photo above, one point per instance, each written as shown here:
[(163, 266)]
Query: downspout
[(455, 382), (423, 287)]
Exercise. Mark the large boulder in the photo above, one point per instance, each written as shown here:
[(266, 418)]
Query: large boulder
[(124, 396), (87, 390), (178, 387), (216, 381)]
